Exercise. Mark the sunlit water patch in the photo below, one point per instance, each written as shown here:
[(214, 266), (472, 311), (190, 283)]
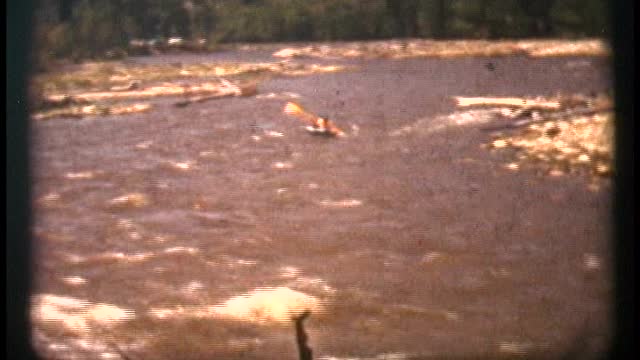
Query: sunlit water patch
[(264, 305), (344, 203), (77, 315)]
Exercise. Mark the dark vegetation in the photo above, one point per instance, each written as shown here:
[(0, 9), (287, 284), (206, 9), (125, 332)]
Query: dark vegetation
[(81, 29)]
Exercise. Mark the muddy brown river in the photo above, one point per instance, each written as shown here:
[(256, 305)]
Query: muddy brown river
[(417, 242)]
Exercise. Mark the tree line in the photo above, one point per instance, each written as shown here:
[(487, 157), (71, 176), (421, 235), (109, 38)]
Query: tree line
[(90, 28)]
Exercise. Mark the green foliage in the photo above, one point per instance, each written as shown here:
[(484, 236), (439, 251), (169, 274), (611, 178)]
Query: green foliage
[(52, 41), (574, 18), (98, 26)]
